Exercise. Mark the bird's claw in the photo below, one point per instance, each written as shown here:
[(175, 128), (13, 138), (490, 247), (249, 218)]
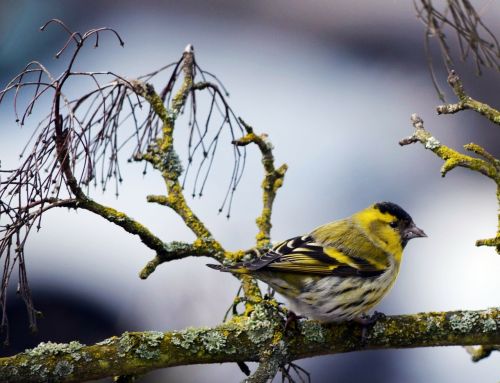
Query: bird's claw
[(366, 322), (291, 320)]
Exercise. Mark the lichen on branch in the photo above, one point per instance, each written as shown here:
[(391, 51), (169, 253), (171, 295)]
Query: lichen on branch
[(467, 102), (81, 141), (273, 180), (485, 163), (244, 338)]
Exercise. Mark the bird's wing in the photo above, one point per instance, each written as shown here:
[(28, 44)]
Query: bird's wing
[(306, 255)]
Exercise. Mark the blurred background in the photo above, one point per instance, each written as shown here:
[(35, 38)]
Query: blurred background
[(333, 83)]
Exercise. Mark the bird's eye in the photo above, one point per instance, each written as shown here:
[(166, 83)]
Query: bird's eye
[(393, 224)]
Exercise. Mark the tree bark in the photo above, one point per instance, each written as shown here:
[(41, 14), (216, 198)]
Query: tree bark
[(245, 339)]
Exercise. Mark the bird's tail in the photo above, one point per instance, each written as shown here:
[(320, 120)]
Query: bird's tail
[(236, 269)]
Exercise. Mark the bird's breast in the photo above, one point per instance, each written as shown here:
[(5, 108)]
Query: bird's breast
[(335, 299)]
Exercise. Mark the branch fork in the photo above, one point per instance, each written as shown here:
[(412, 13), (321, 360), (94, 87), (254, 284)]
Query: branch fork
[(485, 164)]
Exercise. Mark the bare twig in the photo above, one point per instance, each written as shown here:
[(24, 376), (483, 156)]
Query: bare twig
[(81, 141), (474, 38), (273, 180)]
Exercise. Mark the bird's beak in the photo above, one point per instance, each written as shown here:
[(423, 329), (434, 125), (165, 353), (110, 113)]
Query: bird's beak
[(413, 231)]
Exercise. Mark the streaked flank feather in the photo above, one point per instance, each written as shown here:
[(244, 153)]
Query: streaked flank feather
[(340, 270)]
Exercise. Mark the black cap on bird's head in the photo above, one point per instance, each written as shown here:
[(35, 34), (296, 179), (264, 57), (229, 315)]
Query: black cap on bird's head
[(404, 223)]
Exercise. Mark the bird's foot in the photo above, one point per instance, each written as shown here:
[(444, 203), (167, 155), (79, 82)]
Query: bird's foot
[(291, 320), (367, 322)]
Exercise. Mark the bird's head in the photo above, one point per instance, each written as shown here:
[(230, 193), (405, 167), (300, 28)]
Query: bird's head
[(389, 225)]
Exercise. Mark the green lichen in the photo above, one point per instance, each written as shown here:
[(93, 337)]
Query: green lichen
[(215, 341), (152, 338), (197, 339), (312, 331), (85, 356), (177, 247), (164, 158), (125, 344), (145, 346), (378, 329), (149, 345), (40, 370), (63, 368), (432, 143), (145, 352), (171, 163), (260, 325), (464, 322), (489, 325), (432, 324), (51, 348), (188, 338)]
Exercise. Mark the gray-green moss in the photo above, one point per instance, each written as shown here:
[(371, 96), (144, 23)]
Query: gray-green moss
[(187, 338), (40, 370), (215, 341), (198, 339), (312, 331), (490, 325), (432, 143), (51, 348), (125, 344), (260, 324), (149, 343), (63, 368), (463, 322), (432, 324)]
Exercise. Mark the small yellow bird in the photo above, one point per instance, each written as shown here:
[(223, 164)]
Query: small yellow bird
[(340, 270)]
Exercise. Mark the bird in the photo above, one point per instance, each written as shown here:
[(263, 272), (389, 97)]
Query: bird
[(340, 270)]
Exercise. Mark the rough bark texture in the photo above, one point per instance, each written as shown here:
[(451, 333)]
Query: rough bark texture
[(245, 339)]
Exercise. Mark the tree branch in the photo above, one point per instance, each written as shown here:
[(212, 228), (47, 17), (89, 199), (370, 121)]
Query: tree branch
[(480, 352), (178, 250), (244, 339), (487, 165), (161, 154), (467, 102), (451, 157), (266, 371), (273, 180), (164, 251)]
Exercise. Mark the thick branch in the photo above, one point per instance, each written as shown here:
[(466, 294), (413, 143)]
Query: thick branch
[(244, 339)]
